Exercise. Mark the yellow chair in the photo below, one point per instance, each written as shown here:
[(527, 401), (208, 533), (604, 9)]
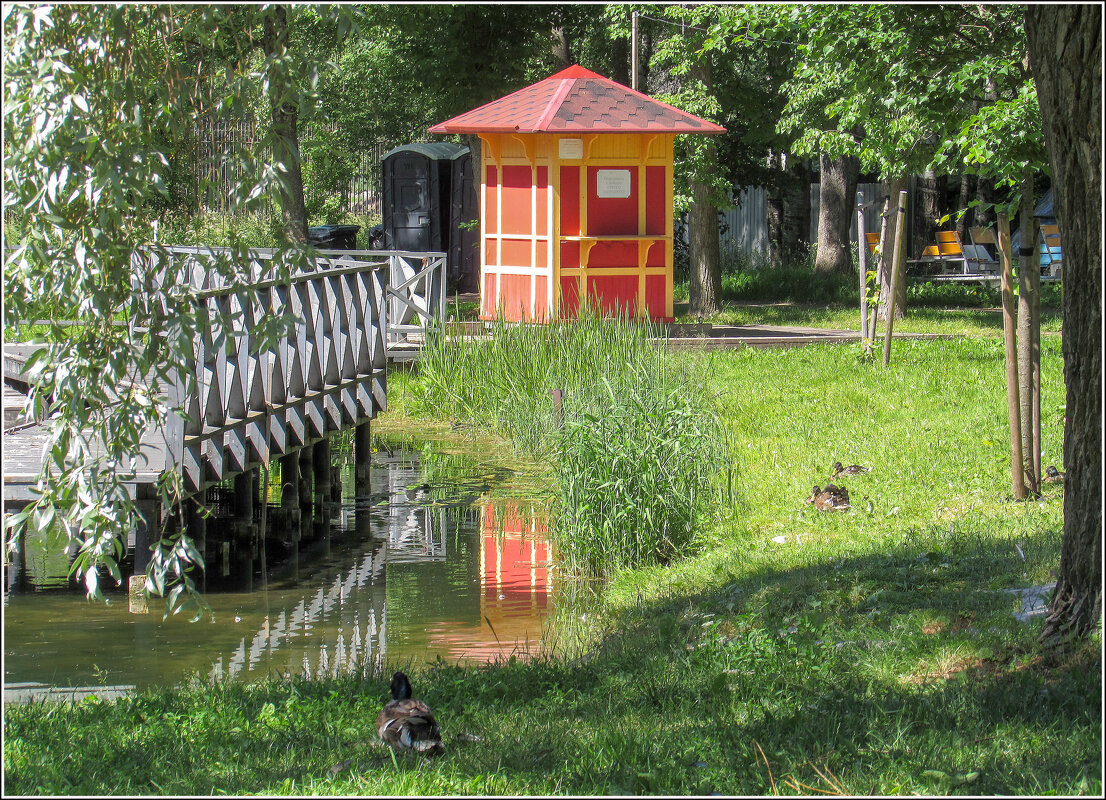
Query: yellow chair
[(1052, 257)]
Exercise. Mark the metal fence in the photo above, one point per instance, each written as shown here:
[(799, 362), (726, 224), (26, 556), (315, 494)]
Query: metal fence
[(217, 172)]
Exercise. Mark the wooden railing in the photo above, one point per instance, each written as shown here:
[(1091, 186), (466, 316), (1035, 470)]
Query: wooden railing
[(248, 397)]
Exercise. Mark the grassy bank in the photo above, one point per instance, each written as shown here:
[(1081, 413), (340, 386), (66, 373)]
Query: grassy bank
[(797, 295), (872, 651)]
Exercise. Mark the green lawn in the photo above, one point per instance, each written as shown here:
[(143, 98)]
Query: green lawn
[(955, 321), (794, 651)]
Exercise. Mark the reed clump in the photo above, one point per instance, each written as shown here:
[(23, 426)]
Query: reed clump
[(639, 455)]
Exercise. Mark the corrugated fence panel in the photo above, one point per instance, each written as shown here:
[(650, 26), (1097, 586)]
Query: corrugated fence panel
[(744, 229), (870, 191)]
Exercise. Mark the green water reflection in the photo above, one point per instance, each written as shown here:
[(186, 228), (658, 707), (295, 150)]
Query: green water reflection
[(435, 563)]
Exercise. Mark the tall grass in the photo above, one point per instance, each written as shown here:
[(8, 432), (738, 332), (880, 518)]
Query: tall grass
[(636, 447), (634, 477)]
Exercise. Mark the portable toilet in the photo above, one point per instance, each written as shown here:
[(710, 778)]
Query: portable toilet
[(576, 197), (416, 192), (464, 221)]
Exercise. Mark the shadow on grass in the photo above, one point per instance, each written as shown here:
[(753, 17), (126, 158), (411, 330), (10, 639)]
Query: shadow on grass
[(891, 672)]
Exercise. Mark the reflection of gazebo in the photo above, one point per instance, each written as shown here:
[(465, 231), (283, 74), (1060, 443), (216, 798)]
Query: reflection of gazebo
[(576, 197), (517, 587)]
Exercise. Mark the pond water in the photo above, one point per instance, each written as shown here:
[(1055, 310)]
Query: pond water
[(436, 563)]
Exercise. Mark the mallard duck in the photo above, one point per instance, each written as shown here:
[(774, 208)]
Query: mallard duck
[(406, 723), (852, 469), (1053, 475), (832, 498)]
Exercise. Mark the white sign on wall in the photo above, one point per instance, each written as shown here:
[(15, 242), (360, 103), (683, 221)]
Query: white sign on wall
[(612, 183), (570, 148)]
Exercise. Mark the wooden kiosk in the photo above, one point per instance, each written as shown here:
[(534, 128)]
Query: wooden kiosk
[(576, 198)]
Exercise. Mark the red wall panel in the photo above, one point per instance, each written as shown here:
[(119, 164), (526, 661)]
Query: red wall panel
[(570, 201), (517, 199), (615, 295), (612, 215)]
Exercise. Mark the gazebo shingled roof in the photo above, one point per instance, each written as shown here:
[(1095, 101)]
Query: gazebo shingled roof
[(576, 100)]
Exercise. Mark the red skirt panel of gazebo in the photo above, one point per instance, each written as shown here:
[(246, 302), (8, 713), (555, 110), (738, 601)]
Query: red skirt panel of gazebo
[(576, 198)]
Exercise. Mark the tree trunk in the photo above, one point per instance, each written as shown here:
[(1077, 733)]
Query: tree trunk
[(964, 217), (705, 290), (620, 61), (1065, 52), (284, 102), (562, 48), (984, 215), (929, 206), (894, 186), (706, 275), (796, 207), (773, 210), (1029, 342), (836, 191), (1010, 350)]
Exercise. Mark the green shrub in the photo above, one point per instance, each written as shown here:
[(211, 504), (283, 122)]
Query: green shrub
[(217, 229)]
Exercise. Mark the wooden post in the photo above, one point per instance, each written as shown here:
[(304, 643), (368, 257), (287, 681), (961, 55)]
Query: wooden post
[(306, 478), (148, 528), (362, 457), (862, 259), (896, 265), (195, 524), (558, 408), (321, 467), (1009, 330), (881, 265), (247, 489), (290, 494), (263, 531)]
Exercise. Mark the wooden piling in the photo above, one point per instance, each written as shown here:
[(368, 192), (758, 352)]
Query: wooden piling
[(896, 266), (862, 261), (321, 467), (247, 488), (306, 478), (195, 524), (362, 457), (290, 494), (147, 527)]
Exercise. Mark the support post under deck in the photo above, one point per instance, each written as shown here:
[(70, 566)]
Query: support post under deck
[(290, 494), (362, 458)]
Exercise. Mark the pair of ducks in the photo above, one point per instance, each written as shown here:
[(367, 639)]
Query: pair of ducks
[(834, 497)]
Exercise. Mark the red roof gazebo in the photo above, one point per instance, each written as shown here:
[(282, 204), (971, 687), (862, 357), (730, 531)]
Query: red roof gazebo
[(576, 197)]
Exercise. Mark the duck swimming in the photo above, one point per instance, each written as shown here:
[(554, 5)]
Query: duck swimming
[(832, 498), (406, 723)]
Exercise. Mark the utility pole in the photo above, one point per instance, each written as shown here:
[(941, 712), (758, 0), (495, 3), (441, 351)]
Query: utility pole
[(633, 51)]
